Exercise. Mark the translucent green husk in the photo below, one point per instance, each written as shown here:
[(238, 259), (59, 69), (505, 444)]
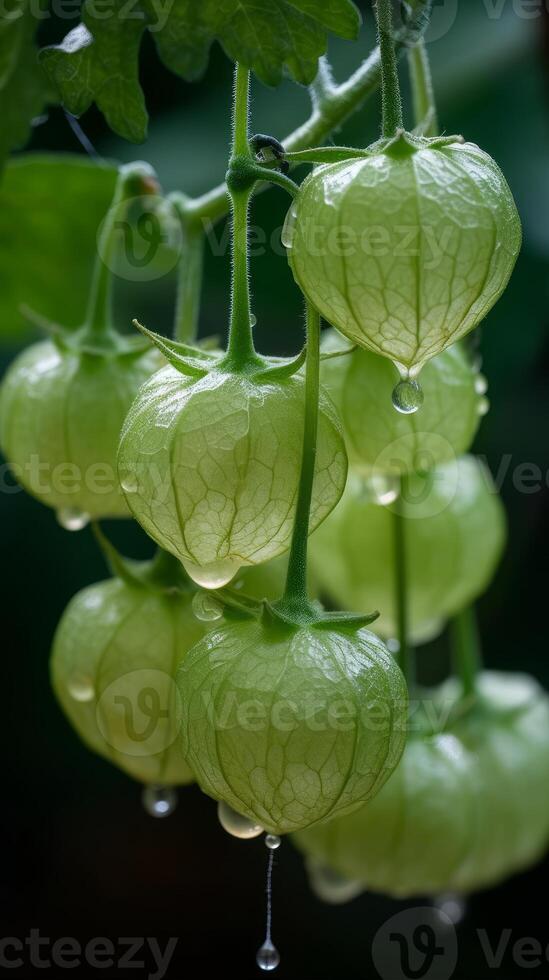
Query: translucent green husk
[(406, 250), (455, 533), (467, 806), (291, 724)]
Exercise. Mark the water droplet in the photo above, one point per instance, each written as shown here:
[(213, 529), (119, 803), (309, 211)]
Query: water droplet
[(253, 320), (288, 231), (481, 384), (393, 646), (381, 489), (450, 906), (72, 519), (129, 483), (330, 886), (81, 687), (236, 824), (159, 801), (212, 576), (268, 956), (483, 406), (272, 841), (407, 397), (206, 608), (476, 362)]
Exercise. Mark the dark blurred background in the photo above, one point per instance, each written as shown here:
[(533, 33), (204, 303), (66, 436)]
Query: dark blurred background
[(80, 856)]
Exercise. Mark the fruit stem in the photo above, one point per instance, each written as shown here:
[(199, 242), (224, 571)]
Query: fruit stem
[(295, 593), (240, 348), (404, 658), (466, 649), (425, 110), (189, 284), (134, 180), (390, 90)]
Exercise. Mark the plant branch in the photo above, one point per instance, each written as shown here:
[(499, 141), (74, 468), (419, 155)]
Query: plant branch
[(190, 276), (132, 179), (401, 586), (295, 593), (466, 650), (329, 111), (390, 90), (425, 112), (240, 349)]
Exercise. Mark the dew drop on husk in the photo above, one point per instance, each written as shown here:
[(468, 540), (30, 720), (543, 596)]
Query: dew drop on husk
[(330, 886), (483, 407), (272, 842), (288, 231), (72, 519), (159, 801), (381, 489), (81, 688), (206, 608), (129, 483), (481, 384), (407, 396), (268, 956), (450, 906), (212, 576), (236, 824)]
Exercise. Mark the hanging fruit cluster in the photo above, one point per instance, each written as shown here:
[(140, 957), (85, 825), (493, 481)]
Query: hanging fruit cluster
[(213, 662)]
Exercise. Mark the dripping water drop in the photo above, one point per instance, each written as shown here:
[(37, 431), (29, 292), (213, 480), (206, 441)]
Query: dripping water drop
[(212, 576), (159, 801), (206, 608), (330, 886), (81, 688), (272, 842), (236, 824), (268, 957), (407, 396), (382, 489), (450, 906), (72, 519), (129, 483), (288, 231)]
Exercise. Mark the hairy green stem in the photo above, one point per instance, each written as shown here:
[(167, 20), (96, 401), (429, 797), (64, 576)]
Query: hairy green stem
[(295, 593), (466, 649), (401, 586), (425, 112), (240, 349), (390, 90)]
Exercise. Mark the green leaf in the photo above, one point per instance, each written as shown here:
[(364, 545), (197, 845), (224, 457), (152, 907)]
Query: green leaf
[(266, 35), (24, 91), (98, 62), (50, 208)]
